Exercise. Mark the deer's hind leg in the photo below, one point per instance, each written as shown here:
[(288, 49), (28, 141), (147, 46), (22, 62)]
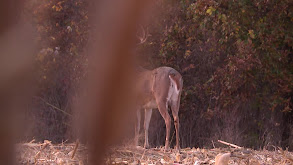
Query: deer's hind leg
[(163, 109), (137, 126), (147, 119), (175, 110)]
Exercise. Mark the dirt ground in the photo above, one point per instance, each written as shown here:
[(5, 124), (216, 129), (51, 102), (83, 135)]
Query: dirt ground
[(75, 153)]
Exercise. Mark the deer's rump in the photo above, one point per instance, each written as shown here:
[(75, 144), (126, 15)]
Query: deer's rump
[(160, 83)]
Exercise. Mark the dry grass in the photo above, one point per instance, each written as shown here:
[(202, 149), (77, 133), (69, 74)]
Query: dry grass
[(48, 153), (130, 155)]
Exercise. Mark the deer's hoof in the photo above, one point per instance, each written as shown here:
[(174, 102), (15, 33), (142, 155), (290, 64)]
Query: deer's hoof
[(139, 147), (166, 149), (177, 149), (146, 147)]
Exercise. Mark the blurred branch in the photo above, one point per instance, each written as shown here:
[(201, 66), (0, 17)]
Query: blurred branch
[(53, 106)]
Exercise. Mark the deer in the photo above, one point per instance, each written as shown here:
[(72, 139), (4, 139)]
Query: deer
[(158, 89)]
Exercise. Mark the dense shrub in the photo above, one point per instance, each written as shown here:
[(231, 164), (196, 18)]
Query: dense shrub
[(236, 60), (62, 28)]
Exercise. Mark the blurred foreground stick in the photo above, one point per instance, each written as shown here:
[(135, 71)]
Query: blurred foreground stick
[(16, 47), (108, 103)]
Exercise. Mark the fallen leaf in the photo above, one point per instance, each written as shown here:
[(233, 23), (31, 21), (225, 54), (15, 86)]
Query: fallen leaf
[(222, 159)]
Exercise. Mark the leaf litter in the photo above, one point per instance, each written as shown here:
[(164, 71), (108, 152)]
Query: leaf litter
[(75, 153), (48, 153), (197, 156)]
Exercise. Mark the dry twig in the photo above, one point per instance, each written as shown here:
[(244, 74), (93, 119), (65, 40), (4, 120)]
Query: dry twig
[(230, 144), (53, 106), (45, 144), (75, 149), (289, 157)]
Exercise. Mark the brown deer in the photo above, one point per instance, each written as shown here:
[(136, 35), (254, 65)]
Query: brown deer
[(159, 88)]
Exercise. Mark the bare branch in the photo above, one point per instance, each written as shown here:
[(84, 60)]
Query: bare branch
[(145, 35)]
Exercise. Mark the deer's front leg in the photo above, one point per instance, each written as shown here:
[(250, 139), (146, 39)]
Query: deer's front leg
[(163, 109), (147, 119), (137, 127)]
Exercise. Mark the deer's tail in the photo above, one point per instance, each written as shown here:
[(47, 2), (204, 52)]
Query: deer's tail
[(177, 78)]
